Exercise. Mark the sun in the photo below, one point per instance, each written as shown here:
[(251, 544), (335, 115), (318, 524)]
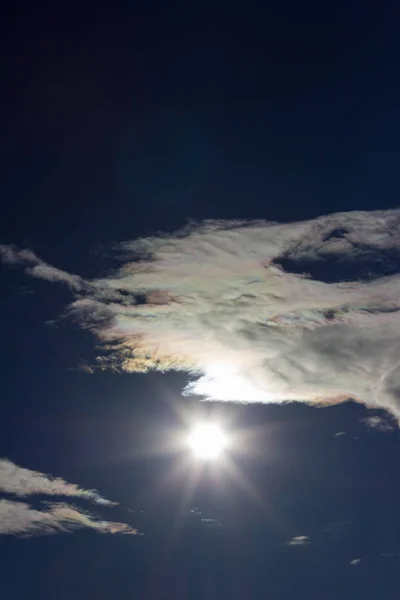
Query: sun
[(208, 441)]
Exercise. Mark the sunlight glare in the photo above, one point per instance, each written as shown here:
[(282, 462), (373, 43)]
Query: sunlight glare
[(208, 441)]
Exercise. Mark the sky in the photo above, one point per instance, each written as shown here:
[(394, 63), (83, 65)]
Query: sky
[(200, 223)]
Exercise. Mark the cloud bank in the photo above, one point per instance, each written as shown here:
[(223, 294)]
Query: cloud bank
[(20, 518), (254, 311)]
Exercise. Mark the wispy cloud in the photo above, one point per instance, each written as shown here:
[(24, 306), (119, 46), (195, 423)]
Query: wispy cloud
[(328, 535), (25, 482), (38, 268), (20, 518), (336, 530), (299, 540), (207, 521), (355, 562), (211, 522), (380, 423), (255, 312)]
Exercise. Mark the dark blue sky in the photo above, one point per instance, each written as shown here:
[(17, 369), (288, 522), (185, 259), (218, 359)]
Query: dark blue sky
[(119, 122)]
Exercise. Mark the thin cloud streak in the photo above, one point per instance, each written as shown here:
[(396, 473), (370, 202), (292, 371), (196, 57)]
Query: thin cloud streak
[(299, 540), (19, 518), (25, 482), (38, 268), (255, 312)]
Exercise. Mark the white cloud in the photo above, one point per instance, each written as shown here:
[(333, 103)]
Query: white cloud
[(355, 562), (24, 482), (299, 540), (37, 268), (211, 522), (380, 423), (229, 303), (19, 518)]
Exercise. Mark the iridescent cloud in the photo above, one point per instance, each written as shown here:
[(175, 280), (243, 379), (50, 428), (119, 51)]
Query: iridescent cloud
[(254, 311)]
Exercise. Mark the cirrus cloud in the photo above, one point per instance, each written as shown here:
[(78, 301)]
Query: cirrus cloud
[(299, 540), (20, 518), (380, 423), (25, 482)]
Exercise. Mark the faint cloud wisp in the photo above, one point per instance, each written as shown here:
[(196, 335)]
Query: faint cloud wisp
[(25, 482), (20, 518), (379, 423), (299, 540)]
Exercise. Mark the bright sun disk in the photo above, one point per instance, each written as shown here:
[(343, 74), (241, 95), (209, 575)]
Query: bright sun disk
[(208, 441)]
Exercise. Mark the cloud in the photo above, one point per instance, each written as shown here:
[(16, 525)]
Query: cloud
[(254, 311), (19, 518), (335, 531), (24, 482), (383, 424), (195, 511), (330, 534), (299, 540), (211, 522), (37, 268), (207, 521), (355, 562)]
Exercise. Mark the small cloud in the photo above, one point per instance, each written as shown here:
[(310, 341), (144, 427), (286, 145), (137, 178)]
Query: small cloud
[(334, 532), (84, 368), (24, 482), (355, 562), (19, 518), (195, 511), (340, 433), (337, 525), (383, 424), (299, 540), (25, 290), (390, 554), (35, 267), (212, 522)]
